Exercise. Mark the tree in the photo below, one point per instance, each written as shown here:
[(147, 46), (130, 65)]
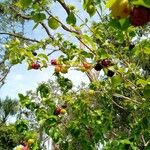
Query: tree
[(8, 108), (8, 24), (113, 51), (9, 137)]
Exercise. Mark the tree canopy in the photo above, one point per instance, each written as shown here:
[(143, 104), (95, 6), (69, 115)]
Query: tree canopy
[(107, 40)]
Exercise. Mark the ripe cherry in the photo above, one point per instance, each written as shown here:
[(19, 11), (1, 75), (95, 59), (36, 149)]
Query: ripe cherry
[(140, 16), (57, 111), (106, 62), (131, 46), (34, 53), (110, 73), (25, 148), (24, 143), (98, 66), (35, 65), (54, 62)]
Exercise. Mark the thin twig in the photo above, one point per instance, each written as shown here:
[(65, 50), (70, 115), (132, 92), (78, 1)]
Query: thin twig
[(52, 52), (19, 36), (63, 4)]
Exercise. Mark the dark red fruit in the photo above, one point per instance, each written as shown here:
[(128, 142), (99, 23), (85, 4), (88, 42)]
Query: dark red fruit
[(34, 53), (35, 65), (24, 143), (110, 73), (64, 105), (106, 62), (131, 46), (54, 62), (25, 148), (140, 16), (57, 111), (98, 67)]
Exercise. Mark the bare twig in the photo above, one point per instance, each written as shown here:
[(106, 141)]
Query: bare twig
[(124, 97), (64, 6), (19, 36), (52, 52), (47, 30), (117, 105)]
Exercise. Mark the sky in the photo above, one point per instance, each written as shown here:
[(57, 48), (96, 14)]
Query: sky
[(19, 80)]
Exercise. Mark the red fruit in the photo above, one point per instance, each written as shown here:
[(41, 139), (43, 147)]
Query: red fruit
[(86, 65), (35, 65), (57, 111), (34, 53), (54, 62), (24, 143), (98, 67), (140, 16), (25, 148), (110, 73), (58, 69), (106, 62)]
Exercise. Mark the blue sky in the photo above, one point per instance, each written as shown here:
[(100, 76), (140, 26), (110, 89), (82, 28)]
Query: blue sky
[(19, 80)]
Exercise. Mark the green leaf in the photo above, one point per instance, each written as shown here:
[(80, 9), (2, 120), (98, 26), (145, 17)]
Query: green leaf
[(25, 3), (141, 81), (87, 39), (44, 90), (102, 54), (116, 81), (89, 6), (147, 2), (147, 91), (24, 99), (39, 17), (43, 56), (91, 10), (125, 24), (115, 23), (146, 50), (71, 19), (21, 126), (41, 114), (53, 23), (86, 54)]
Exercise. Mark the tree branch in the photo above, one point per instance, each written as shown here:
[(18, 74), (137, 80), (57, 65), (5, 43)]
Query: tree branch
[(19, 36), (72, 31), (47, 30), (20, 14), (52, 52), (3, 78), (64, 6)]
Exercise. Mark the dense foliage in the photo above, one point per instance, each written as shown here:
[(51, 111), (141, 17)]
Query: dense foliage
[(9, 137), (112, 47)]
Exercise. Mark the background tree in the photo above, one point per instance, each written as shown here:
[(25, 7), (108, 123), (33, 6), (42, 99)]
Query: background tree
[(8, 108), (9, 137)]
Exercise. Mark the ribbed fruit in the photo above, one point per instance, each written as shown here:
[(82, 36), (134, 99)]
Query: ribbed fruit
[(120, 9), (140, 16)]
